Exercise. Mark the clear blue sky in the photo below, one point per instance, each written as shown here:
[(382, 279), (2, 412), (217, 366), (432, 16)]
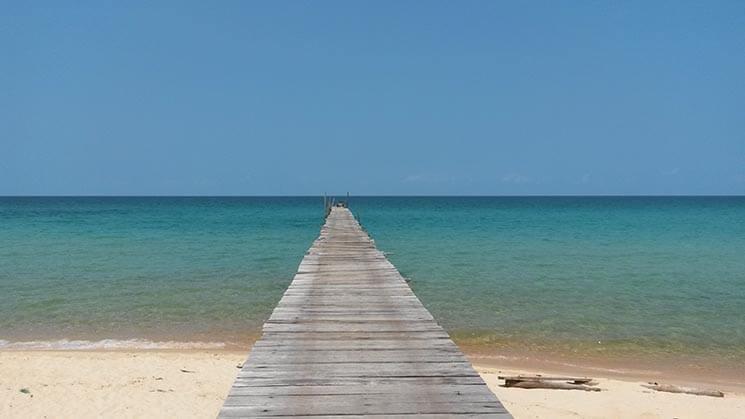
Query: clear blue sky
[(396, 97)]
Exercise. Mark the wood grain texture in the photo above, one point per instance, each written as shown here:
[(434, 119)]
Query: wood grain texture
[(350, 339)]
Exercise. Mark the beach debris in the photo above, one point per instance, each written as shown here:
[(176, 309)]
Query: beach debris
[(549, 382), (669, 388), (25, 391), (239, 366), (187, 371)]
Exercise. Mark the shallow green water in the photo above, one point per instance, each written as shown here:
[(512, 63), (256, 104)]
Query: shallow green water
[(662, 275)]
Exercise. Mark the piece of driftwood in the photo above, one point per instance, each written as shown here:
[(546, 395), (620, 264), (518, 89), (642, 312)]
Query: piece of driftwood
[(549, 382), (539, 377), (552, 385), (669, 388)]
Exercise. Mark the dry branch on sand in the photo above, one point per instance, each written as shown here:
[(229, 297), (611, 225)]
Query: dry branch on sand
[(548, 382), (669, 388)]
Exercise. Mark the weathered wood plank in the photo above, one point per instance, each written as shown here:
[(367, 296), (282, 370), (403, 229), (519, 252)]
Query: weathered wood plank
[(352, 369), (355, 407), (360, 356), (359, 344), (367, 398), (352, 389), (373, 339), (351, 381), (350, 339)]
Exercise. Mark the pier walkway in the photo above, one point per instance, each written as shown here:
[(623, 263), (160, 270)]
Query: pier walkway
[(349, 338)]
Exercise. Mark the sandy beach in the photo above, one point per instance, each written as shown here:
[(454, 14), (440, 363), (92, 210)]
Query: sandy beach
[(393, 203), (90, 384), (193, 384)]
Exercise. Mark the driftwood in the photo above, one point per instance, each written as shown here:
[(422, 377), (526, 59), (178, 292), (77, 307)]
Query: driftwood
[(669, 388), (549, 382), (552, 385), (539, 377)]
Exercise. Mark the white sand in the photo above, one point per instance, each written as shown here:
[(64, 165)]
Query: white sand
[(81, 384), (619, 399), (87, 384)]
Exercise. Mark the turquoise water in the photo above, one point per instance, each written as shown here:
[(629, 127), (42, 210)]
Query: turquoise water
[(194, 269), (626, 275), (588, 275)]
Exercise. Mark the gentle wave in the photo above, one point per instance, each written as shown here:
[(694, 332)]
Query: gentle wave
[(65, 344)]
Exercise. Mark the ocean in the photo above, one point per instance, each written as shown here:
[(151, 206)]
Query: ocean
[(608, 276)]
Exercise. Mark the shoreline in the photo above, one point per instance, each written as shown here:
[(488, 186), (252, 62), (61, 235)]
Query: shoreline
[(194, 383), (727, 378), (675, 369)]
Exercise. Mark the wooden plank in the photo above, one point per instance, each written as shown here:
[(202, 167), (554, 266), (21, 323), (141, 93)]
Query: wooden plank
[(350, 339), (427, 416), (367, 398), (346, 406), (378, 338), (352, 369), (362, 389), (299, 345), (360, 356), (298, 382), (357, 389)]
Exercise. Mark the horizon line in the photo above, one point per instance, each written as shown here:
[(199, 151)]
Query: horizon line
[(378, 196)]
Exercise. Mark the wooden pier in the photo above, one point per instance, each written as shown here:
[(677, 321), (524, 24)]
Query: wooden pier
[(349, 338)]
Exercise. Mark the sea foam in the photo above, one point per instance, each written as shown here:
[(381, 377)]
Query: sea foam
[(65, 344)]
